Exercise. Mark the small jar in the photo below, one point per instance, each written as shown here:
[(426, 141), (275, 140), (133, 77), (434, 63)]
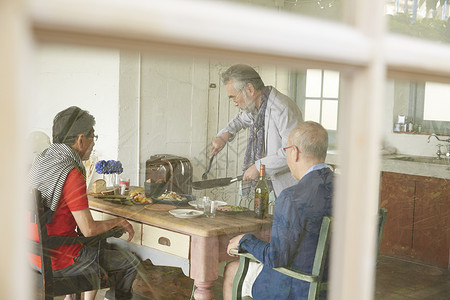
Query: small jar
[(403, 127)]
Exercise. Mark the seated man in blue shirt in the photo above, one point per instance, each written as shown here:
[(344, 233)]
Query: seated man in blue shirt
[(296, 223)]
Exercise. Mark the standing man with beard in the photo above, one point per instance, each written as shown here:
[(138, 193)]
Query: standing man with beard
[(270, 117)]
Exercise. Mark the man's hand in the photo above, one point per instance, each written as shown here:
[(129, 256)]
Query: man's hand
[(219, 143), (234, 243), (125, 225), (251, 173)]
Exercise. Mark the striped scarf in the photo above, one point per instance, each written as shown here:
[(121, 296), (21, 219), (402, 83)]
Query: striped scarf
[(50, 169), (256, 144)]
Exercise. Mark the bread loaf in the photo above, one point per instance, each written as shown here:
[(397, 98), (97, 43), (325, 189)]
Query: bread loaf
[(99, 186), (110, 192)]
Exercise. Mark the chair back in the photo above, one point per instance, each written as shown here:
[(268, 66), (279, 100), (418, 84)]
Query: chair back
[(41, 247), (382, 215), (323, 246), (316, 277)]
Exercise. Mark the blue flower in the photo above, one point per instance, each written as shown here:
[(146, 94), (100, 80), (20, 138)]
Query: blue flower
[(108, 167), (100, 167)]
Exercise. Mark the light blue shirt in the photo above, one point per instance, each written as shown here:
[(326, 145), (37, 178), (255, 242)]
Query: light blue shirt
[(316, 167)]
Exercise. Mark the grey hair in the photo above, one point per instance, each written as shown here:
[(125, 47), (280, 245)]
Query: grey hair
[(311, 139), (241, 76), (71, 122)]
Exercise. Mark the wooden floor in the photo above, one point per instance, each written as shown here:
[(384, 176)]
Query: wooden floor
[(395, 280)]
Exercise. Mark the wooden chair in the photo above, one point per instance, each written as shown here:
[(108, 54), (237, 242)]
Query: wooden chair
[(314, 278), (382, 215), (57, 286)]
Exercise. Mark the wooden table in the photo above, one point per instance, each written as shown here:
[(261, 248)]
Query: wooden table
[(197, 245)]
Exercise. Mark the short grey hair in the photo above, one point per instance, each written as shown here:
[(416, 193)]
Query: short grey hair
[(241, 76), (311, 139), (71, 122)]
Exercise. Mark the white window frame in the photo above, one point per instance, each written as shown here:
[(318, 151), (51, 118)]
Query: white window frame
[(360, 49), (298, 82)]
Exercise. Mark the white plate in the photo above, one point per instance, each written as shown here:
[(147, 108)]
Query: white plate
[(185, 213), (218, 203)]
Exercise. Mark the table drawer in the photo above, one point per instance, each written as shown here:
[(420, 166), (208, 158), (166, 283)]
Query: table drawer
[(165, 240)]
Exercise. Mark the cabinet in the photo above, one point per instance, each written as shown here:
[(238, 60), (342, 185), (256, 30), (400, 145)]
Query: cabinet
[(418, 223)]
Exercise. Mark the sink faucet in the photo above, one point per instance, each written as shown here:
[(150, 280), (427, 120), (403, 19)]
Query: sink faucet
[(439, 153), (434, 134)]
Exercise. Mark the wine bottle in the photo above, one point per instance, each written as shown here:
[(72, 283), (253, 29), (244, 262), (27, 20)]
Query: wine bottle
[(261, 203)]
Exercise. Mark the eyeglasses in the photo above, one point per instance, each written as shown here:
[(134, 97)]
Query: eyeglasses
[(285, 148), (94, 137)]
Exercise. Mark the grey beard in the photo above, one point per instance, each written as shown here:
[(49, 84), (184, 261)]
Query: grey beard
[(250, 106)]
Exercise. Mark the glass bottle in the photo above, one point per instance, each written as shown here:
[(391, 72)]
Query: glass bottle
[(261, 203)]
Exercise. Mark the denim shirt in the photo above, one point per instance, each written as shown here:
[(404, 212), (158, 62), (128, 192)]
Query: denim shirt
[(295, 231)]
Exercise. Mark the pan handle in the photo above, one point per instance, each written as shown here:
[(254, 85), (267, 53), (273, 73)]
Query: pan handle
[(238, 178)]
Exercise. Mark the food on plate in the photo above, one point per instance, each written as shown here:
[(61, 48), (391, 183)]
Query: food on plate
[(139, 197), (171, 196), (231, 208), (99, 186)]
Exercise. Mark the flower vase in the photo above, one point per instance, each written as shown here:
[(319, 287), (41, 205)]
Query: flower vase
[(111, 179)]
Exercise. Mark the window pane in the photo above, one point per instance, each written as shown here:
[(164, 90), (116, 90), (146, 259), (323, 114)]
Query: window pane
[(436, 102), (313, 82), (329, 114), (331, 84), (423, 19), (312, 110), (327, 9)]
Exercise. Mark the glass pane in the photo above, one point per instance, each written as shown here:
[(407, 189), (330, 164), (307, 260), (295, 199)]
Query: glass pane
[(329, 114), (312, 110), (426, 19), (327, 9), (313, 82), (436, 102), (330, 84)]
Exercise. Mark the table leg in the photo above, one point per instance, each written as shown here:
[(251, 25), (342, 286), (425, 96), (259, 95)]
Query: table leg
[(203, 290), (204, 265)]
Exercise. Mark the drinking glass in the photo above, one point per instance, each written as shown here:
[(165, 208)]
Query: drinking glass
[(209, 207)]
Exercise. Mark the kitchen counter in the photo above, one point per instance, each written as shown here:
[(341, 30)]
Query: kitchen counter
[(391, 163)]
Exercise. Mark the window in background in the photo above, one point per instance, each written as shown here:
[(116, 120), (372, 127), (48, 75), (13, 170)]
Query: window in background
[(321, 97), (426, 105), (316, 92), (436, 102)]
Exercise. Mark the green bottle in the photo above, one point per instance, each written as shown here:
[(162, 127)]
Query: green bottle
[(261, 203)]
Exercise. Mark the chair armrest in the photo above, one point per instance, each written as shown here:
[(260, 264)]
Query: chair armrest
[(55, 241), (286, 271), (243, 254)]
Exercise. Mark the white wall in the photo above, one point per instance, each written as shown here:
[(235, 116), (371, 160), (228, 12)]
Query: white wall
[(174, 106), (84, 77)]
